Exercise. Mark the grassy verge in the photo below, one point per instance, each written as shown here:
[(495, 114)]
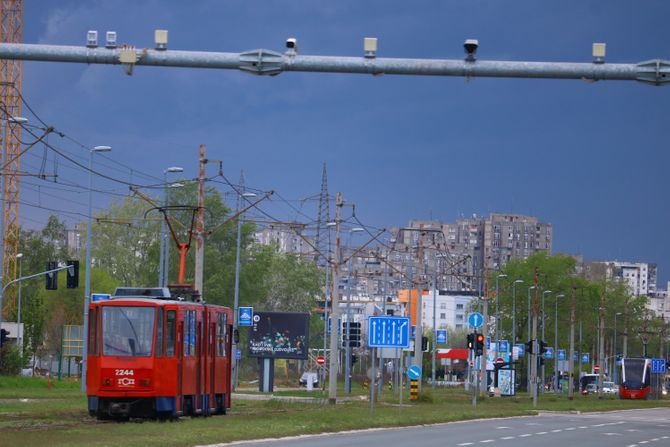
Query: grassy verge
[(58, 416)]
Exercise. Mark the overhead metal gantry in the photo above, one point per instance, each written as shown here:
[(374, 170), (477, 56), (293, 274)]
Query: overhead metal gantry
[(271, 63)]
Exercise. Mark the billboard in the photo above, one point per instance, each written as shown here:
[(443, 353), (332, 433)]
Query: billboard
[(281, 335)]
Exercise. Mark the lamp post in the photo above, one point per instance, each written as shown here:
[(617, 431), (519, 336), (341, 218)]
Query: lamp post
[(236, 296), (556, 382), (347, 347), (498, 313), (87, 289), (17, 120), (545, 292), (19, 332), (516, 281), (529, 339), (162, 268), (615, 375)]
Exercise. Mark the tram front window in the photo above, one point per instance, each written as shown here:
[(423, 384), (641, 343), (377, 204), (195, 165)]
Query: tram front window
[(127, 331)]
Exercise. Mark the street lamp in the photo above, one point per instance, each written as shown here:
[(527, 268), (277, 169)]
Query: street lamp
[(15, 120), (237, 280), (545, 292), (556, 382), (616, 376), (347, 347), (532, 343), (163, 263), (498, 313), (19, 332), (87, 291)]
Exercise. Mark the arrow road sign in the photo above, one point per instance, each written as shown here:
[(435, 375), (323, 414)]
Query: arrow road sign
[(414, 372), (388, 332), (475, 320), (658, 366)]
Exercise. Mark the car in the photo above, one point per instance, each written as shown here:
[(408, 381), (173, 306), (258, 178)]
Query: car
[(307, 375), (591, 388), (610, 388)]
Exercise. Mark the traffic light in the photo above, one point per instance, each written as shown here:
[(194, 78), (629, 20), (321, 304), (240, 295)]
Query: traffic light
[(3, 336), (479, 345), (529, 346), (424, 344), (355, 335), (73, 274), (354, 359), (52, 278), (471, 341), (542, 348)]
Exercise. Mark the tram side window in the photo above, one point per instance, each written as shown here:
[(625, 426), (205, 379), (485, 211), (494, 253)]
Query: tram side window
[(159, 333), (222, 324), (92, 332), (171, 332), (187, 333)]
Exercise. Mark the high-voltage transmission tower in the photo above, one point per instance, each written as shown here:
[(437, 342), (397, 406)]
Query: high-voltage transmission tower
[(322, 233), (10, 88)]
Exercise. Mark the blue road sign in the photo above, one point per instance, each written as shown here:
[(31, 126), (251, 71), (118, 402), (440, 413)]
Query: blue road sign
[(413, 332), (586, 358), (246, 315), (658, 366), (414, 372), (100, 296), (388, 332), (549, 354), (575, 356), (475, 320), (521, 348), (504, 346), (441, 337), (238, 354), (561, 354)]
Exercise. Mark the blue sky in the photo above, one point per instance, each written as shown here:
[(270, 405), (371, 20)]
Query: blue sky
[(588, 158)]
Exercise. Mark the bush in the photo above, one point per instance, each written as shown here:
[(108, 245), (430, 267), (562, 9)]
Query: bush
[(11, 360)]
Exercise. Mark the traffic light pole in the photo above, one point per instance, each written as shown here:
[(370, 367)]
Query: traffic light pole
[(265, 62), (571, 359), (23, 278), (333, 363)]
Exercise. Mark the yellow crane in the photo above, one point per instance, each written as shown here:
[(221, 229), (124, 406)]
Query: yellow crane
[(10, 88)]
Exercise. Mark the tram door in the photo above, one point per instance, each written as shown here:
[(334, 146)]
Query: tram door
[(180, 362)]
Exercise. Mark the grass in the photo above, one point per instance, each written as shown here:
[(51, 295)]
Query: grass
[(32, 414)]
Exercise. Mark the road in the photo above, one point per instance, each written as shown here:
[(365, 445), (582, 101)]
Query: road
[(633, 428)]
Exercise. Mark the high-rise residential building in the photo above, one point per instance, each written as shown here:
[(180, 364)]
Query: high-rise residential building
[(286, 237), (456, 257), (508, 236), (639, 277)]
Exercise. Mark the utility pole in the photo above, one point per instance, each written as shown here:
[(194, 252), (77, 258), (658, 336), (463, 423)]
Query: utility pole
[(626, 323), (200, 225), (601, 340), (335, 311), (418, 352), (534, 344), (485, 330), (571, 358)]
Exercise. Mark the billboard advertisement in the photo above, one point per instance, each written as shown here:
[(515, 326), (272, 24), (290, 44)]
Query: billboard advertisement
[(280, 335)]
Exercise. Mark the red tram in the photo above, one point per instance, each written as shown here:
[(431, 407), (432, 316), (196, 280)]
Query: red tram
[(153, 356), (635, 378)]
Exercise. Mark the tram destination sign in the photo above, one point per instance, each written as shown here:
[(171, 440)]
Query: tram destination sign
[(280, 335)]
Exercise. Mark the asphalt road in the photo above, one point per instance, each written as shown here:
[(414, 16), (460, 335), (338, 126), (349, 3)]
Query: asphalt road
[(633, 428)]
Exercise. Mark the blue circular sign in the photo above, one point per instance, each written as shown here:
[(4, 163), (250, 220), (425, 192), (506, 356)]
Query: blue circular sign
[(475, 320), (414, 372)]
